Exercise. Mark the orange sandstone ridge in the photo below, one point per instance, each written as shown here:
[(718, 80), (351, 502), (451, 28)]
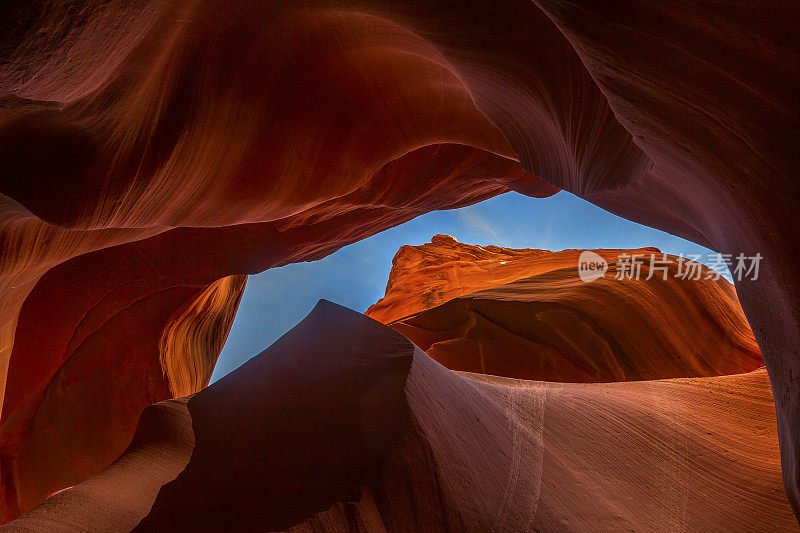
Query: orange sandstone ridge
[(431, 274), (527, 314)]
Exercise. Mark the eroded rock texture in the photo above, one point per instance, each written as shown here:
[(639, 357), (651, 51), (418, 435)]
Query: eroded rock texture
[(345, 425), (150, 149), (527, 314)]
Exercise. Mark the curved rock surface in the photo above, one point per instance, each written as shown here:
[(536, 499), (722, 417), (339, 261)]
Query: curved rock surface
[(345, 425), (149, 149), (118, 497), (527, 314)]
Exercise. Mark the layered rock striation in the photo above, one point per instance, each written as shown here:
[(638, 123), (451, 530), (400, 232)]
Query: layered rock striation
[(528, 313)]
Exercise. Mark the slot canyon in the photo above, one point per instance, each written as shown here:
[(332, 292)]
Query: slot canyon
[(156, 153)]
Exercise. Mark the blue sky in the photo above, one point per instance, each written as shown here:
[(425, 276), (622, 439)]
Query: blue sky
[(355, 276)]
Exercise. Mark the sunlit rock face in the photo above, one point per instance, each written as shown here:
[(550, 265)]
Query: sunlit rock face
[(344, 425), (150, 149), (528, 314)]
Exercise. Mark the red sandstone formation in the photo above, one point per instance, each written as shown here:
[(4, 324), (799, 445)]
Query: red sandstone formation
[(343, 424), (527, 314), (426, 276), (117, 498), (149, 149)]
